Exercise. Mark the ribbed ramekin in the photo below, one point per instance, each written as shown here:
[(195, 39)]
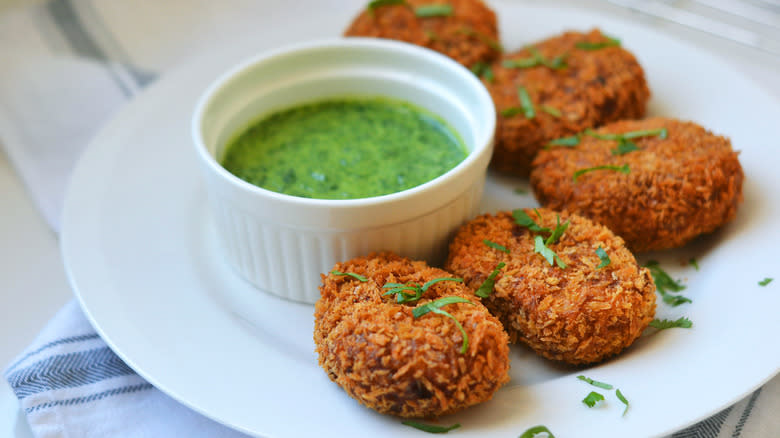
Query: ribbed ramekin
[(282, 243)]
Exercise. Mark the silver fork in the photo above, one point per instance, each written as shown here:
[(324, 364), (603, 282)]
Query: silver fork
[(754, 23)]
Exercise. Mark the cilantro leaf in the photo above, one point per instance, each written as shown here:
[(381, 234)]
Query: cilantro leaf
[(400, 290), (694, 263), (435, 307), (551, 110), (622, 399), (433, 10), (536, 430), (483, 70), (494, 245), (622, 169), (663, 324), (350, 274), (596, 383), (664, 283), (558, 231), (604, 257), (374, 4), (592, 398), (610, 42), (570, 141), (547, 253), (525, 103), (486, 288), (765, 281), (624, 147), (522, 219), (430, 428)]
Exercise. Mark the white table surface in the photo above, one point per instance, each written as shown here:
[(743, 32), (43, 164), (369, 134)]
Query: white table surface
[(33, 285)]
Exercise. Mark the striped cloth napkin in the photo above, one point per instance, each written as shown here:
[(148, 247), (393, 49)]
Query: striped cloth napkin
[(67, 66)]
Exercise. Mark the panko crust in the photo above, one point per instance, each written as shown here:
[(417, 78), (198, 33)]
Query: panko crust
[(596, 87), (579, 315), (678, 188), (396, 364), (469, 35)]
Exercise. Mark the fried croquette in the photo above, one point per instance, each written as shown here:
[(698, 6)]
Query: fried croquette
[(392, 362), (674, 187), (581, 313), (468, 34), (572, 83)]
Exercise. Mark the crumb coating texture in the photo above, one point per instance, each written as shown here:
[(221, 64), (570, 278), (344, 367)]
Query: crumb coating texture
[(396, 364), (581, 314), (469, 35), (678, 188), (595, 87)]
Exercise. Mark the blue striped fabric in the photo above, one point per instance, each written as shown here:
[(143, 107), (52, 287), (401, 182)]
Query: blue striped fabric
[(68, 340), (90, 398), (67, 371)]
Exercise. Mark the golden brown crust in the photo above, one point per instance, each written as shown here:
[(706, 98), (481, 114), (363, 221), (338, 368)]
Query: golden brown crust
[(469, 35), (678, 188), (396, 364), (580, 314), (596, 87)]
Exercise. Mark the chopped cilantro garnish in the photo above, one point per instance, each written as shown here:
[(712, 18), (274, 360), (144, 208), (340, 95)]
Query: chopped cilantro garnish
[(520, 63), (571, 141), (592, 398), (430, 428), (622, 399), (622, 169), (547, 253), (663, 324), (522, 219), (765, 281), (692, 261), (483, 70), (401, 289), (494, 245), (434, 10), (511, 111), (486, 288), (525, 103), (558, 231), (536, 59), (610, 42), (624, 147), (351, 274), (664, 283), (596, 383), (433, 37), (604, 257), (536, 430), (551, 110), (435, 307), (540, 244), (374, 4)]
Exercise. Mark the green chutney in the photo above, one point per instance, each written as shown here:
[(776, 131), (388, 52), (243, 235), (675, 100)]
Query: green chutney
[(345, 148)]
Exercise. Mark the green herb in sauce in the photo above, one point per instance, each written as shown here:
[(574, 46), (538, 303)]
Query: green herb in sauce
[(345, 149)]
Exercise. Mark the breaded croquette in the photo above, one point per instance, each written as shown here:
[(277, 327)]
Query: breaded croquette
[(568, 304), (464, 30), (394, 362), (673, 184), (572, 82)]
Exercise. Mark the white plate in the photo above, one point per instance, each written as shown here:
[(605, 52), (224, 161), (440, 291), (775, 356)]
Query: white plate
[(145, 264)]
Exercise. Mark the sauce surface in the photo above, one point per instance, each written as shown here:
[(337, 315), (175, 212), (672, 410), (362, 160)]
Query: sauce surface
[(344, 149)]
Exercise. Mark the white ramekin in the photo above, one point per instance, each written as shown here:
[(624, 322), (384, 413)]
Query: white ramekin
[(282, 243)]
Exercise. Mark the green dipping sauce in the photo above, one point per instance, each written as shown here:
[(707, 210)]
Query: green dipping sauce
[(345, 149)]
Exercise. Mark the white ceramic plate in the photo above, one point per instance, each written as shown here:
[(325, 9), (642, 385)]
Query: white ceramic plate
[(144, 262)]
